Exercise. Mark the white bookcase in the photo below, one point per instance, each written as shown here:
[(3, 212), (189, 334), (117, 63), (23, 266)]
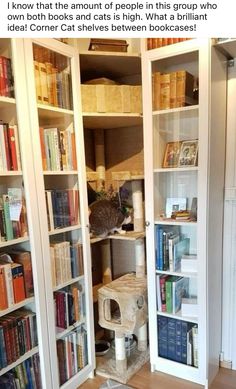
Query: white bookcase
[(14, 111), (62, 179), (204, 121)]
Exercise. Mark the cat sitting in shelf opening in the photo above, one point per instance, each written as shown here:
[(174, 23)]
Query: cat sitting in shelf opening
[(107, 217)]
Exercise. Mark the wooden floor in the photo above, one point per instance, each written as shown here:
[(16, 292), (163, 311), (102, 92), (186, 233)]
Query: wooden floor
[(144, 379)]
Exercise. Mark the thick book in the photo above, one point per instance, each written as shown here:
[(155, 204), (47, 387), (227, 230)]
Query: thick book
[(24, 259)]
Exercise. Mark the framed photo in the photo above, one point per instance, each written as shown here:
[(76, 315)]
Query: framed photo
[(188, 153), (172, 152), (174, 204)]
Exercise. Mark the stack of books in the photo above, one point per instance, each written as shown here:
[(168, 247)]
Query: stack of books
[(9, 148), (170, 291), (6, 77)]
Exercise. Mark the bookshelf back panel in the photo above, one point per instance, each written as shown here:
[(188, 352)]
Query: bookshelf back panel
[(174, 185), (187, 61), (8, 113)]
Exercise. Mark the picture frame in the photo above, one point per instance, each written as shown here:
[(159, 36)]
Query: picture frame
[(188, 153), (171, 157), (174, 204)]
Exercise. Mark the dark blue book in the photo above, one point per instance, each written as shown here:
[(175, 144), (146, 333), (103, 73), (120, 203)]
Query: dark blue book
[(162, 323), (3, 355), (159, 243), (178, 340), (171, 351), (74, 262)]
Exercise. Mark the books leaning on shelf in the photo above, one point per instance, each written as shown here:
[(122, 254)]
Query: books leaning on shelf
[(69, 306), (13, 220), (72, 353), (178, 340), (173, 90), (18, 335), (9, 148), (171, 245), (62, 208), (16, 279), (6, 77), (66, 261), (155, 43), (58, 149), (170, 291), (52, 79), (24, 375)]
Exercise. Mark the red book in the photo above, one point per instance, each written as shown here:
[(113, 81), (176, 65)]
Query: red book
[(7, 147), (3, 290), (12, 145), (6, 90), (176, 40), (164, 41), (18, 282), (8, 340), (170, 41), (1, 77)]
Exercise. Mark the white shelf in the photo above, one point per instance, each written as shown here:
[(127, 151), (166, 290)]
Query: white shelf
[(70, 282), (60, 172), (63, 230), (6, 101), (23, 358), (95, 120), (61, 333), (181, 110), (176, 169), (14, 307), (130, 235), (171, 222), (50, 112), (14, 241), (178, 316), (177, 273), (11, 173), (228, 47)]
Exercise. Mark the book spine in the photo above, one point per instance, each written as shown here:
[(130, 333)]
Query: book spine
[(168, 285), (12, 144), (171, 339), (8, 223), (3, 290)]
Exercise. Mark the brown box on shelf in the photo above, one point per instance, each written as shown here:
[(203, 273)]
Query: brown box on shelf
[(111, 98), (117, 45)]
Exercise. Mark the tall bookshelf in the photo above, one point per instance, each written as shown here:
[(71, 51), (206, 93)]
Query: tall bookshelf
[(57, 140), (202, 179), (20, 231)]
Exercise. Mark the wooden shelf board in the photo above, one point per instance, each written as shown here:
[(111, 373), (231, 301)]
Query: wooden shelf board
[(177, 273), (50, 112), (6, 101), (63, 332), (176, 110), (60, 172), (171, 222), (70, 282), (14, 241), (11, 173), (178, 316), (113, 65), (62, 230), (94, 120), (17, 306), (227, 47), (23, 358), (176, 169)]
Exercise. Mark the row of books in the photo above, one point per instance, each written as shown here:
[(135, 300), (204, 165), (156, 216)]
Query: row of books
[(170, 291), (13, 219), (66, 261), (53, 85), (18, 335), (178, 340), (72, 353), (25, 375), (58, 149), (171, 245), (155, 43), (6, 77), (69, 305), (9, 148), (16, 278), (173, 90), (62, 208)]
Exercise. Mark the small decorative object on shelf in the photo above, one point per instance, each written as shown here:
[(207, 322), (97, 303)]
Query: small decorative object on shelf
[(118, 45)]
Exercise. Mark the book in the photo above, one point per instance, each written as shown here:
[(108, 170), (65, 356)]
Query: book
[(18, 282), (180, 248), (3, 289), (165, 91), (24, 259), (180, 290)]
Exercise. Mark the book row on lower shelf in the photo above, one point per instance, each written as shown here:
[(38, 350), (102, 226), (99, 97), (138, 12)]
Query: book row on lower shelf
[(13, 219), (18, 335), (178, 340), (25, 375), (72, 353), (66, 261), (62, 208), (69, 306), (16, 279), (9, 148), (58, 149)]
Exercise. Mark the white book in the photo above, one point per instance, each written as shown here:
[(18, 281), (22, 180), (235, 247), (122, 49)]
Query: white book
[(9, 284), (18, 158), (3, 149)]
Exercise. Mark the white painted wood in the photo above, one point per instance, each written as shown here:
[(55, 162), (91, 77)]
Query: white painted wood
[(208, 228), (17, 306), (39, 115)]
